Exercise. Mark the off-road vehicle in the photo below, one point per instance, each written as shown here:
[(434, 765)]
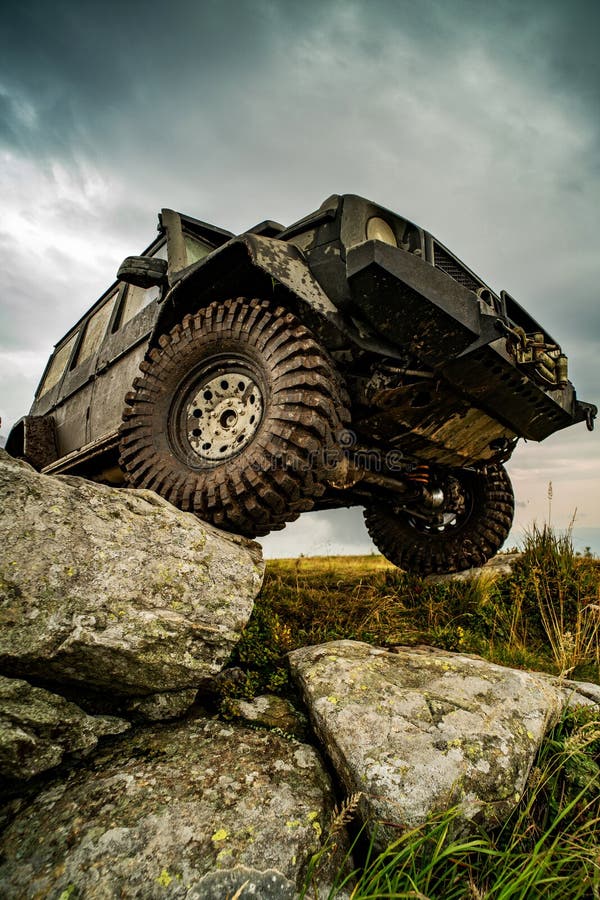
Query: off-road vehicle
[(348, 359)]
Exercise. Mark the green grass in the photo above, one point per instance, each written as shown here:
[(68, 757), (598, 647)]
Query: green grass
[(544, 616)]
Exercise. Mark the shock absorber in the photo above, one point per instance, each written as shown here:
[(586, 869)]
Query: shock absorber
[(431, 496)]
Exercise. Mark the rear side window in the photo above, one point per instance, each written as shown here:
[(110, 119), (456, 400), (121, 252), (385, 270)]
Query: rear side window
[(195, 249), (95, 330), (58, 365)]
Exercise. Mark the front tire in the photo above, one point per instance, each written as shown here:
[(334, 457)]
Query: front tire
[(473, 529), (233, 416)]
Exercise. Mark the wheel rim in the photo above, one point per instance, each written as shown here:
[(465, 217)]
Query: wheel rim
[(219, 414)]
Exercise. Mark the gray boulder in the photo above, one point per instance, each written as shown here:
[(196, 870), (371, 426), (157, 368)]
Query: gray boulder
[(115, 589), (160, 707), (577, 693), (498, 566), (38, 728), (420, 731), (271, 711), (167, 806)]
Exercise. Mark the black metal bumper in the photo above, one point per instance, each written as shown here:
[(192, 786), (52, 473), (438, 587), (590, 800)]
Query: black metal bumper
[(426, 313)]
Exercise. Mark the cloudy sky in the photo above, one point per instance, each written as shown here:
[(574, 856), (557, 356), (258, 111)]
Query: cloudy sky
[(479, 121)]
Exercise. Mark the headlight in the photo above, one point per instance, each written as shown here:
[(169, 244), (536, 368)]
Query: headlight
[(379, 230)]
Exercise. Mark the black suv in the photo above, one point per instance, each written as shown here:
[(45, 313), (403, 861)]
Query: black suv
[(349, 359)]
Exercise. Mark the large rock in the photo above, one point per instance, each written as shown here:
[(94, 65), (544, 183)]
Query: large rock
[(271, 711), (160, 707), (114, 588), (420, 731), (37, 729), (497, 567), (154, 815)]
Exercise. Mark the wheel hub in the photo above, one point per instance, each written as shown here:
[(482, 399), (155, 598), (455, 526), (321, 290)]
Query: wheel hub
[(439, 511), (223, 415)]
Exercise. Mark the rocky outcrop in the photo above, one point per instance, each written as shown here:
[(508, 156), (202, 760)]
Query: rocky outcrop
[(127, 606), (115, 590), (38, 728), (420, 731), (167, 807), (202, 808)]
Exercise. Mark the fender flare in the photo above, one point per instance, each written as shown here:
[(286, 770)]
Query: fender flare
[(255, 266)]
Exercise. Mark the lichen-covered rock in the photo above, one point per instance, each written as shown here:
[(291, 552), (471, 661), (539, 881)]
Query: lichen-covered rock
[(115, 589), (152, 816), (577, 693), (241, 883), (498, 566), (271, 712), (160, 707), (38, 728), (419, 732)]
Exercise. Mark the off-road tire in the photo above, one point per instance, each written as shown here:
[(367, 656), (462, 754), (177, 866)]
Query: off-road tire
[(473, 539), (281, 467)]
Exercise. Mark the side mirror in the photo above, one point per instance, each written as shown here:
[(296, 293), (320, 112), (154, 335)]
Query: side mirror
[(143, 271)]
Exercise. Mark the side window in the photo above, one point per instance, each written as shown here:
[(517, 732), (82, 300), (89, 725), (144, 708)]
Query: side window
[(58, 365), (136, 298), (95, 330), (195, 249)]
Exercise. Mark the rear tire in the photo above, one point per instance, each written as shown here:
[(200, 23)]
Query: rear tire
[(233, 416), (472, 534)]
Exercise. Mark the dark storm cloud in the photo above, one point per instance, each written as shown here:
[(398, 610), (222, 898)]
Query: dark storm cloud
[(72, 71), (468, 117), (69, 69), (465, 116), (10, 125), (572, 53)]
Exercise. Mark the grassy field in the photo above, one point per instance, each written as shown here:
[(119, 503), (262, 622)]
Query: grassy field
[(544, 616)]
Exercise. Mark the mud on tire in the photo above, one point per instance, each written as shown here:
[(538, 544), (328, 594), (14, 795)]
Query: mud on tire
[(469, 539), (233, 415)]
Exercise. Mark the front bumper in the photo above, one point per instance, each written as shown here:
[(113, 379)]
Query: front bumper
[(428, 314)]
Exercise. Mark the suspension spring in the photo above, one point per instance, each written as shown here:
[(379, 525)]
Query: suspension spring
[(420, 475)]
